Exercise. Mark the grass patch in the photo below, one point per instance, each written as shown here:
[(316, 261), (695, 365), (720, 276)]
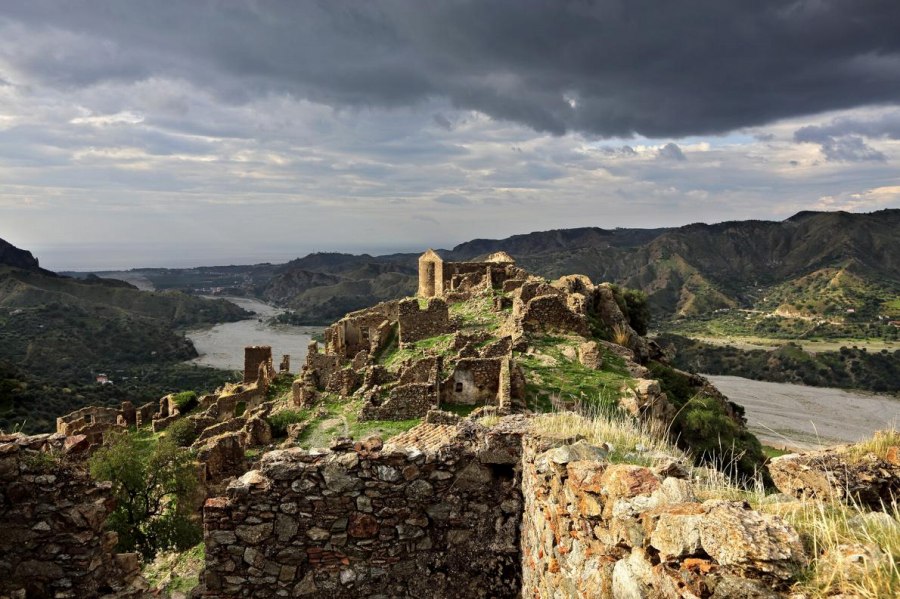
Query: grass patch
[(185, 401), (279, 421), (629, 441), (477, 314), (280, 387), (458, 409), (172, 572), (773, 452), (878, 444), (552, 372)]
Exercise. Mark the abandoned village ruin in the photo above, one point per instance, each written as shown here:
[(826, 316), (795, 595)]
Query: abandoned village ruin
[(481, 505)]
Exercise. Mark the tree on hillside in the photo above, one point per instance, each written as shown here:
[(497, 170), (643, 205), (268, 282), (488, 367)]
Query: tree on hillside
[(153, 484)]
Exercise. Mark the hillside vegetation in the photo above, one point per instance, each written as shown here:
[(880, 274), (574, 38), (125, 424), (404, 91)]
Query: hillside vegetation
[(848, 368), (814, 264), (58, 333)]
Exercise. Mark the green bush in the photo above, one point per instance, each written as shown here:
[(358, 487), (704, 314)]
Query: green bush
[(153, 484), (185, 401), (280, 421), (633, 304), (183, 432), (704, 426)]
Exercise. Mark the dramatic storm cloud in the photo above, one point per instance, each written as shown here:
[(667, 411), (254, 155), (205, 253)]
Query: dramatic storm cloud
[(389, 124)]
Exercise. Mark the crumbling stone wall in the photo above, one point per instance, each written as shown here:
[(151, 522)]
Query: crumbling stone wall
[(453, 280), (422, 371), (51, 526), (367, 329), (550, 313), (254, 355), (436, 515), (74, 422), (474, 381), (404, 402), (595, 529), (417, 323)]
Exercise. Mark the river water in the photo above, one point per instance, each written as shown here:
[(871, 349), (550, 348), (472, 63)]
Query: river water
[(797, 416), (222, 345)]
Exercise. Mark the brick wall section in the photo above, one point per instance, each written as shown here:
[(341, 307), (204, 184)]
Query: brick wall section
[(438, 520), (51, 517), (417, 324)]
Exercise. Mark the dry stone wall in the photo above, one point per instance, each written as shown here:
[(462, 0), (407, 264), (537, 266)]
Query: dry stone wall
[(421, 323), (52, 542), (595, 529), (438, 517), (254, 356)]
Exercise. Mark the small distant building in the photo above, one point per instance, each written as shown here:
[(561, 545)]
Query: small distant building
[(851, 310), (103, 379)]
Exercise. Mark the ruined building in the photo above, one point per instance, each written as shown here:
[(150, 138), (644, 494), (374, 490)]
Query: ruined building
[(466, 358)]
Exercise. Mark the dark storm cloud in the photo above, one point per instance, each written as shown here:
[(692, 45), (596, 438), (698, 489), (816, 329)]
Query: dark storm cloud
[(844, 139), (671, 151), (612, 68)]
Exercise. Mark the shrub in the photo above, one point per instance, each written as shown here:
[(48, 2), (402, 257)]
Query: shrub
[(153, 485), (183, 432), (185, 401), (280, 421)]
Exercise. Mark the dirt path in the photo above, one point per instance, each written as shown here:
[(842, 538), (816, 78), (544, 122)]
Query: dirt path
[(797, 416)]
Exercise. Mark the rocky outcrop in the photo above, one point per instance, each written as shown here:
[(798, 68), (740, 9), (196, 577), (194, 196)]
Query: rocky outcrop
[(840, 473)]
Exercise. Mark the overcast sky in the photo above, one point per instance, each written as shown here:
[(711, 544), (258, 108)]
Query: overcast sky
[(171, 132)]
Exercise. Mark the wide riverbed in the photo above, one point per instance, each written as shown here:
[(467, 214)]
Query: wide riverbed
[(222, 346), (800, 417)]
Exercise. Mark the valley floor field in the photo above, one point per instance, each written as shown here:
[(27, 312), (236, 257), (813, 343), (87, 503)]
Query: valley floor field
[(811, 345), (801, 417)]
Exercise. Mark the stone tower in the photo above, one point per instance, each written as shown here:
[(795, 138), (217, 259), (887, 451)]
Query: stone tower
[(431, 275)]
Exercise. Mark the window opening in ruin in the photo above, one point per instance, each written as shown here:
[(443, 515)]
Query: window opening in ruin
[(88, 418), (503, 471), (459, 387)]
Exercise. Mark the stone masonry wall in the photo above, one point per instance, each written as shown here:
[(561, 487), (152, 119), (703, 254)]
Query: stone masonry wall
[(434, 516), (417, 324), (254, 355), (52, 542), (595, 529)]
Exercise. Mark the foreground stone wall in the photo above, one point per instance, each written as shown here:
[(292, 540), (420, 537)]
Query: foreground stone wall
[(52, 542), (436, 513), (594, 529)]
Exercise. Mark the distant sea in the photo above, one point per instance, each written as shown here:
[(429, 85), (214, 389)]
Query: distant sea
[(101, 257)]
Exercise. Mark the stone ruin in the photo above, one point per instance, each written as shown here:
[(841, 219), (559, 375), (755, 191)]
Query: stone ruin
[(451, 510), (51, 517), (256, 356), (454, 279), (484, 372)]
